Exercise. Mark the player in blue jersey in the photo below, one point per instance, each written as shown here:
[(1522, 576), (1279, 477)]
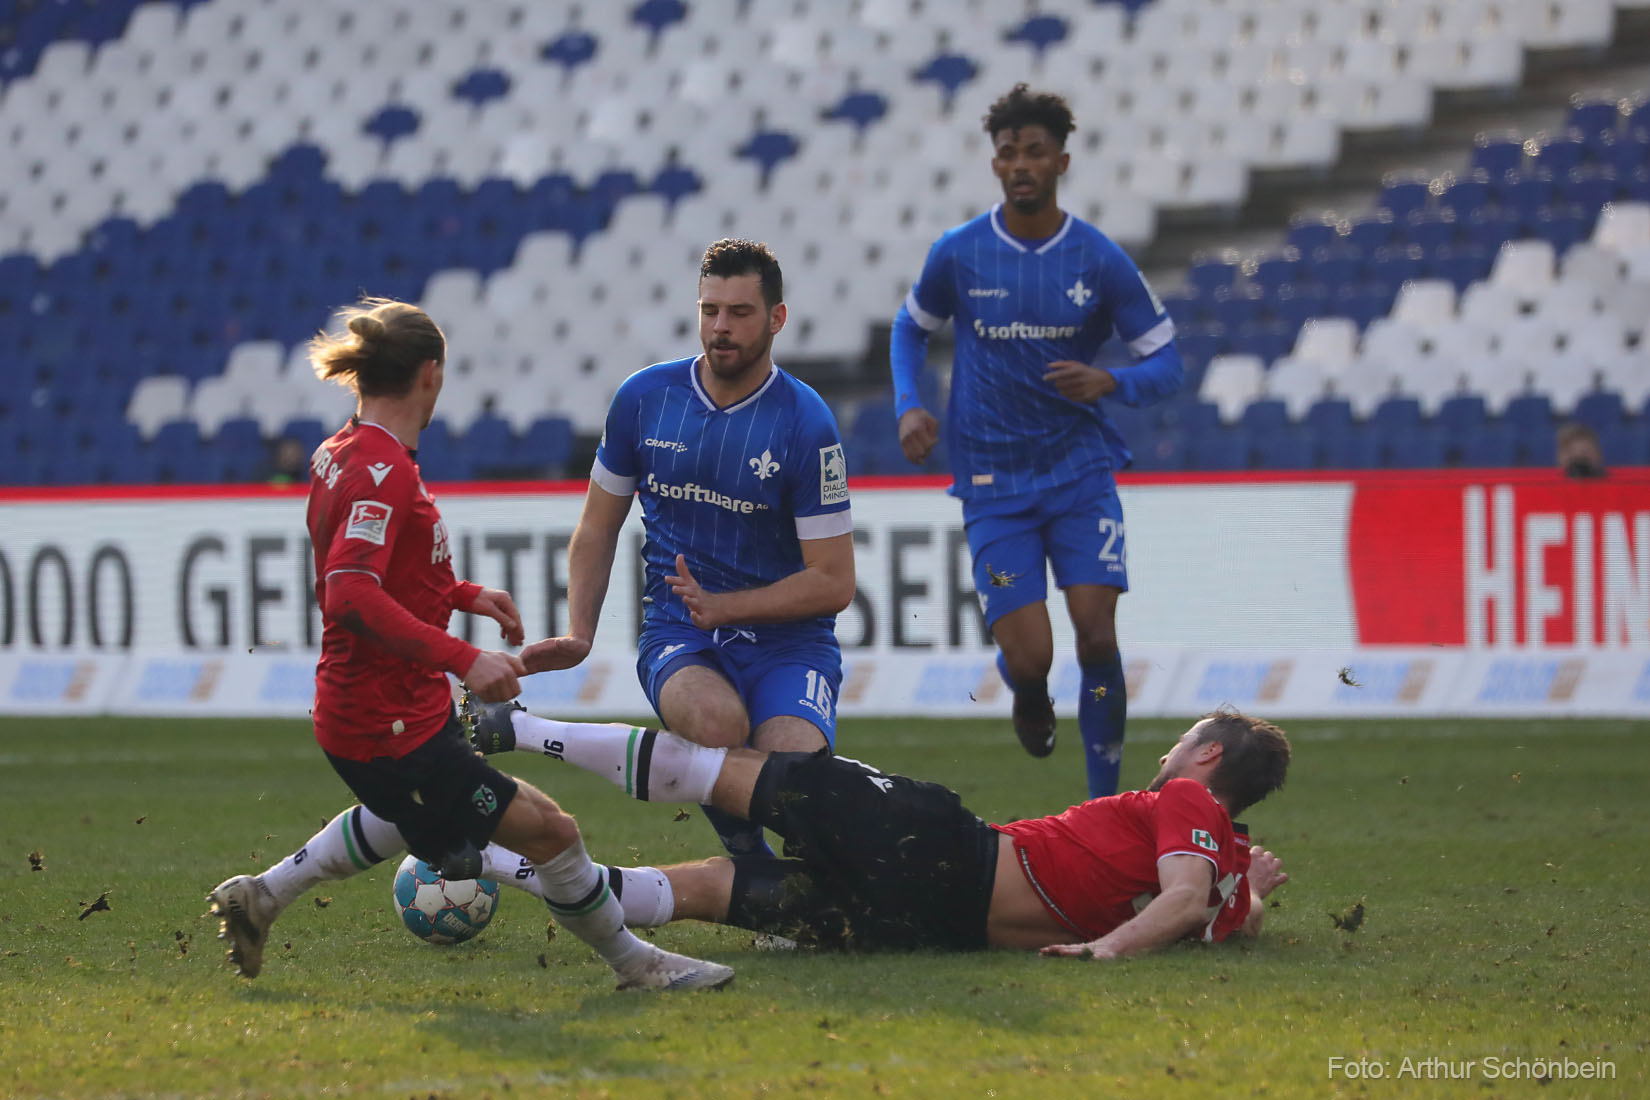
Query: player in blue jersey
[(1034, 293), (749, 550)]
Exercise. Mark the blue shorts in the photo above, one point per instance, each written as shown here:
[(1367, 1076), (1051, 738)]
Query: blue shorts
[(772, 676), (1078, 529)]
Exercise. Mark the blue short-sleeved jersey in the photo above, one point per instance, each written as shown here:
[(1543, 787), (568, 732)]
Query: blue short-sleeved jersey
[(734, 489), (1019, 306)]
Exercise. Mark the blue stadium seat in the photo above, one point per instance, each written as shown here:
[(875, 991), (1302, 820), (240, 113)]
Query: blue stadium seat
[(1039, 32), (1529, 412), (1491, 227), (1235, 306), (1558, 153), (1599, 410), (1588, 187), (547, 444), (1264, 415), (1396, 415), (1462, 415), (1337, 265), (175, 455), (306, 431), (1395, 265), (1564, 226), (1364, 302), (657, 15), (1222, 448), (1417, 447), (1371, 230), (1329, 415), (1462, 265), (1535, 446), (860, 108), (768, 148), (571, 48), (1208, 274), (392, 122), (488, 446), (1497, 154), (1638, 116), (1184, 308), (1288, 447), (1590, 116), (950, 71), (1308, 232), (1431, 229), (675, 181), (1626, 443), (1526, 193), (1271, 340), (1625, 153), (1403, 194), (1466, 194), (1276, 269), (1200, 343), (440, 457), (1636, 188), (1297, 304)]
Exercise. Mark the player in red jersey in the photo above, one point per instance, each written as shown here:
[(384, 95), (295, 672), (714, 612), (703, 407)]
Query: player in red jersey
[(383, 706), (880, 861)]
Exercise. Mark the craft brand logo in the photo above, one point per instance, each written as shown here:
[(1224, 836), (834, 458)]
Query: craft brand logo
[(988, 292), (662, 444)]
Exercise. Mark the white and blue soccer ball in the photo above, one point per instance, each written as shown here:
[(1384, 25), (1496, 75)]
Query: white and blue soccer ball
[(441, 910)]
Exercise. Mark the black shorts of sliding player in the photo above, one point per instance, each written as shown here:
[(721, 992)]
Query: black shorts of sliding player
[(881, 862), (443, 796)]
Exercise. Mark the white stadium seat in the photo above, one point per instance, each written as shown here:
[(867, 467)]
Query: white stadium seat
[(1231, 382)]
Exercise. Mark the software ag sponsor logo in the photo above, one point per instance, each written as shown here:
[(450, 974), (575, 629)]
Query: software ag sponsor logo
[(701, 494)]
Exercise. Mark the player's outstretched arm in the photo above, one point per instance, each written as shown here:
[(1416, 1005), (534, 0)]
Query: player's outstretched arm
[(1266, 874), (1178, 910), (589, 565)]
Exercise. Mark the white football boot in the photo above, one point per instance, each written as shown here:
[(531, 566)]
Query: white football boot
[(245, 909)]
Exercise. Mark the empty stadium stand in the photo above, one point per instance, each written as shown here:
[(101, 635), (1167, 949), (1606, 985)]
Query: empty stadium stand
[(196, 184)]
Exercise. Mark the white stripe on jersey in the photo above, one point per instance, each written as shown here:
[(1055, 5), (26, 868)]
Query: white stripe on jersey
[(610, 481), (1152, 339), (825, 526), (928, 321)]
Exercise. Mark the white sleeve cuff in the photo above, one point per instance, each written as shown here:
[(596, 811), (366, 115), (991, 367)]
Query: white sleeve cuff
[(1152, 339), (825, 526), (928, 321), (610, 481), (363, 572)]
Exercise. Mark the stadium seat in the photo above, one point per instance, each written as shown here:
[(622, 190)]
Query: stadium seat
[(1231, 382)]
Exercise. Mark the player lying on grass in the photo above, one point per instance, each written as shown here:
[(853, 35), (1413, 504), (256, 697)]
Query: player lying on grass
[(878, 861)]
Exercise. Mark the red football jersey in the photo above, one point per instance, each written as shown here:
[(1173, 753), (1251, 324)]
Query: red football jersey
[(1095, 866), (370, 513)]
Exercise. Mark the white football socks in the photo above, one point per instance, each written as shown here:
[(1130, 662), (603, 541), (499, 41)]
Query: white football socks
[(578, 894), (648, 765), (646, 895), (347, 845)]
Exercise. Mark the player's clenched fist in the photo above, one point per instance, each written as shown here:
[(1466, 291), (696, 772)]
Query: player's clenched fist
[(918, 432), (494, 676)]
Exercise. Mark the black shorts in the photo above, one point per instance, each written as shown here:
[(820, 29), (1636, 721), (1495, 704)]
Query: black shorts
[(441, 795), (898, 863)]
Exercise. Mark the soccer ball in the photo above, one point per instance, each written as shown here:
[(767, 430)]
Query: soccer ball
[(440, 910)]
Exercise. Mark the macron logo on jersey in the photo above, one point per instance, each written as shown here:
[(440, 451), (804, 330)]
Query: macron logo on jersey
[(700, 494), (369, 521), (379, 471), (1019, 330)]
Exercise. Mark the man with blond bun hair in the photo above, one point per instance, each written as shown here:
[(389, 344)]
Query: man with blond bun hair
[(383, 707)]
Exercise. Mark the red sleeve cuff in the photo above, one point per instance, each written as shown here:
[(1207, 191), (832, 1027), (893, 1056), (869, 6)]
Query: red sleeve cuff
[(464, 595)]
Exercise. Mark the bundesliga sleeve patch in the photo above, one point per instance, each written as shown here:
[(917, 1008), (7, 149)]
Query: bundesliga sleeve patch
[(833, 475), (369, 521)]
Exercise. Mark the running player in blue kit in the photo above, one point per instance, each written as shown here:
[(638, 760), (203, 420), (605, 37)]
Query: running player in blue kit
[(749, 551), (1034, 293)]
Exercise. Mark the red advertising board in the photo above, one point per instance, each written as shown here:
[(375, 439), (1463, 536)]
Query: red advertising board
[(1532, 559)]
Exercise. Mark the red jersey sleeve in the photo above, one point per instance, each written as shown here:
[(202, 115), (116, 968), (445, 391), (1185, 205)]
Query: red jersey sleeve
[(1189, 821)]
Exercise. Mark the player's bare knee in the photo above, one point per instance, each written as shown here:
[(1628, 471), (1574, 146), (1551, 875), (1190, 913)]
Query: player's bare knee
[(1096, 647), (717, 726)]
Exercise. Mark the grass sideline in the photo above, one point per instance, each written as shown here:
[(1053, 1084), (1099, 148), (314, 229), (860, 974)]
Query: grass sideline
[(1501, 866)]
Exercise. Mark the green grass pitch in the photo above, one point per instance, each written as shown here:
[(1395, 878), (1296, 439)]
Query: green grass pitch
[(1501, 866)]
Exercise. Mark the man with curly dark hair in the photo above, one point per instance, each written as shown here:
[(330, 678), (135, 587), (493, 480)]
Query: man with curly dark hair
[(1035, 293)]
